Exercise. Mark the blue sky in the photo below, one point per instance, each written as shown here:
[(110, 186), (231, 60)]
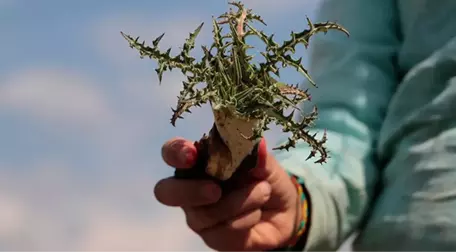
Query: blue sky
[(82, 119)]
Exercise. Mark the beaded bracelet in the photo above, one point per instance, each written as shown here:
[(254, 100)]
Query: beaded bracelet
[(303, 219)]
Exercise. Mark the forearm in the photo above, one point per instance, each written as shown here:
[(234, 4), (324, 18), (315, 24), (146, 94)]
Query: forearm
[(356, 78), (338, 192)]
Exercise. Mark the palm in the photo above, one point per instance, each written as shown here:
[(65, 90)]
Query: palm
[(275, 227)]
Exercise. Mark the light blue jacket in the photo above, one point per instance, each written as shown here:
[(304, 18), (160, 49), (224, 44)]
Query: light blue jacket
[(387, 97)]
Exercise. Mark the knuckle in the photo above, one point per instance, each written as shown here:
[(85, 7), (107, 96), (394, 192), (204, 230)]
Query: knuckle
[(220, 211), (245, 221), (159, 192), (261, 193), (191, 223), (248, 198), (212, 215), (194, 220), (235, 203)]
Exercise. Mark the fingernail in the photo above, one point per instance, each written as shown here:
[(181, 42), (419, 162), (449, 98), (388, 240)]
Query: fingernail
[(184, 155), (261, 154)]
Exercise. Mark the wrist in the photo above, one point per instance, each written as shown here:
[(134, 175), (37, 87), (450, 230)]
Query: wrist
[(298, 214), (301, 213)]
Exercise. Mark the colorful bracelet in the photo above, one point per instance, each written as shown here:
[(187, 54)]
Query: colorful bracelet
[(305, 213)]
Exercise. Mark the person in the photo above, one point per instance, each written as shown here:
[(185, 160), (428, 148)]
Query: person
[(387, 98)]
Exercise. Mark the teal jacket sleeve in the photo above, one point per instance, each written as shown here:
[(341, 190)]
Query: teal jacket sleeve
[(356, 77)]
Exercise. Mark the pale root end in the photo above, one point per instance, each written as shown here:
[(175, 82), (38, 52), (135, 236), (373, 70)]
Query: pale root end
[(231, 128)]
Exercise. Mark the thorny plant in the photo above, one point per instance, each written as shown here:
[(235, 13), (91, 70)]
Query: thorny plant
[(232, 81)]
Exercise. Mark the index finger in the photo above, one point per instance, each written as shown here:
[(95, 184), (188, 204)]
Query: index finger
[(179, 153)]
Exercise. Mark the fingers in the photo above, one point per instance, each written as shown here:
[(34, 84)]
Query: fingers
[(179, 153), (187, 193), (262, 170), (262, 236), (234, 204), (223, 239), (245, 217), (262, 154), (245, 221)]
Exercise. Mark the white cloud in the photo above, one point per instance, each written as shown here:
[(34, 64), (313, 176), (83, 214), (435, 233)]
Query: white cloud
[(70, 102), (148, 95), (58, 95), (113, 232), (111, 45), (12, 215), (52, 207), (49, 207), (150, 102)]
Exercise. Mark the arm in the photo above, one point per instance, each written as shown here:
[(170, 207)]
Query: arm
[(356, 78)]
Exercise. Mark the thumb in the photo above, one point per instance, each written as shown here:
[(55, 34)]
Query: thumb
[(261, 170), (179, 153)]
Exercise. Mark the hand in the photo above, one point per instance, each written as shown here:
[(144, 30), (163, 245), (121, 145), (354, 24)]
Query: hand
[(258, 214)]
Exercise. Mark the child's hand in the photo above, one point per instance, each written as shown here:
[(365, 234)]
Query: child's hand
[(258, 215)]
